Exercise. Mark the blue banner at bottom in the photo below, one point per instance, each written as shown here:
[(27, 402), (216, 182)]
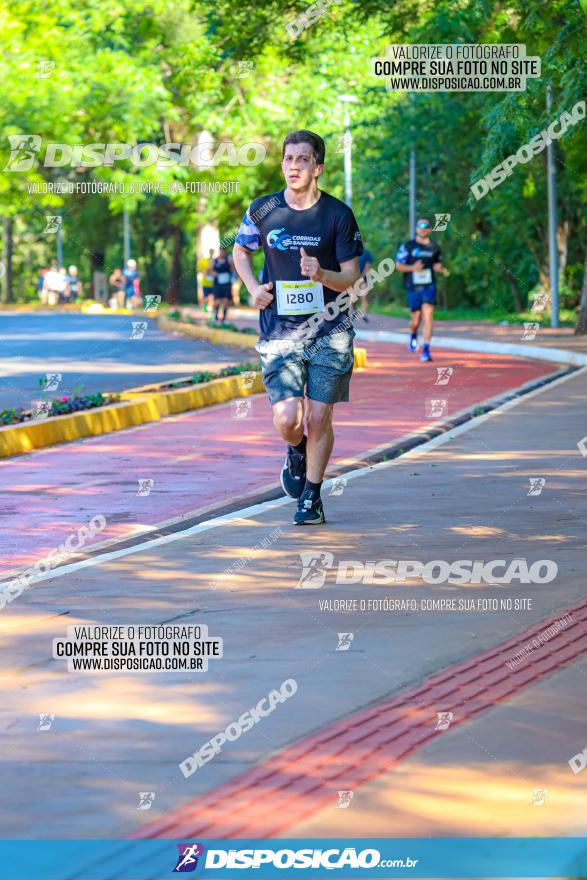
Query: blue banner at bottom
[(367, 858)]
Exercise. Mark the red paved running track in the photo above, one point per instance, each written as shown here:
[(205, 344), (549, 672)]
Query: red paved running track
[(207, 456), (298, 781)]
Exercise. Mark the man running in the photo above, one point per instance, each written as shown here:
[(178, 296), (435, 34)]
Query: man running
[(418, 260), (365, 263), (311, 244), (222, 270)]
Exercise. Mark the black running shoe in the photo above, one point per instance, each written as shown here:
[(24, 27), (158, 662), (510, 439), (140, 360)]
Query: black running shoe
[(293, 474), (310, 511)]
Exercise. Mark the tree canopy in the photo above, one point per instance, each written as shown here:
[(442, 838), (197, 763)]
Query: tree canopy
[(156, 73)]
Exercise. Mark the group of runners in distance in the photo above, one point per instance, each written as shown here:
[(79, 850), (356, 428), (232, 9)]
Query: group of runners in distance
[(313, 252)]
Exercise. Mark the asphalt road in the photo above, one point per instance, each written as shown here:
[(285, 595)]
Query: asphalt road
[(95, 352)]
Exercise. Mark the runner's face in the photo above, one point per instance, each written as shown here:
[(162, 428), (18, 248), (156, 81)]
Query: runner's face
[(299, 166), (422, 233)]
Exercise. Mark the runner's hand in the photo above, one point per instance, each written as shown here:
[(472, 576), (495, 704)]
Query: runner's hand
[(310, 266), (418, 266), (261, 295)]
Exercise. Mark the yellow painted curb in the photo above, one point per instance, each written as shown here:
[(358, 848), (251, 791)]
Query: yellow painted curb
[(230, 337), (17, 439), (183, 399), (137, 408), (92, 310), (360, 357), (218, 337), (68, 308), (38, 307)]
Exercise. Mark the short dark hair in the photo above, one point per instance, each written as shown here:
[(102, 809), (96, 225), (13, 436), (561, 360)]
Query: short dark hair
[(306, 137)]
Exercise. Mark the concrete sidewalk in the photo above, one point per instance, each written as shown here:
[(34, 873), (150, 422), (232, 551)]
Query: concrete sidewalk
[(115, 735)]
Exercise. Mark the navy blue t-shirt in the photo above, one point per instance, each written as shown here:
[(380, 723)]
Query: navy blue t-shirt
[(328, 231), (130, 276), (429, 254)]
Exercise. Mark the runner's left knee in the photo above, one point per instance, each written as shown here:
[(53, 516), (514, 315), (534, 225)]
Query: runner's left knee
[(319, 418)]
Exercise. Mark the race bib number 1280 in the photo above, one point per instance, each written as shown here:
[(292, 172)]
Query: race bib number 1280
[(299, 297)]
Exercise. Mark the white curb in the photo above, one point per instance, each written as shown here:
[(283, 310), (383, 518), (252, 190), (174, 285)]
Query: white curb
[(536, 352)]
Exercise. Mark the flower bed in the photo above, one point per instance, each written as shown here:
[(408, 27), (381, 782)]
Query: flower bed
[(58, 406), (203, 376)]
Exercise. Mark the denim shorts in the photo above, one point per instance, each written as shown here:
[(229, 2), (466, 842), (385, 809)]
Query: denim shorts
[(319, 368)]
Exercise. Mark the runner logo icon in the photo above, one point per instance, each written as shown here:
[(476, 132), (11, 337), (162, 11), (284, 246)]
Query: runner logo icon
[(23, 151), (344, 799), (443, 720), (146, 799), (187, 860), (46, 719), (314, 570)]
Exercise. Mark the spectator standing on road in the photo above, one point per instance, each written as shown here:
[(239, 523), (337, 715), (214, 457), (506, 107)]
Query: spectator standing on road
[(223, 272), (131, 283), (54, 285), (74, 285), (41, 282), (64, 293)]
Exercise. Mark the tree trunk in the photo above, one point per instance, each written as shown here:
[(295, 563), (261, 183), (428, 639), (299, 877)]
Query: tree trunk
[(98, 261), (581, 327), (6, 268), (516, 295), (175, 274)]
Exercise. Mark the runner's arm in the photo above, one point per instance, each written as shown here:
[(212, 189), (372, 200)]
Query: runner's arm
[(401, 260), (404, 267), (439, 267), (349, 272), (243, 263)]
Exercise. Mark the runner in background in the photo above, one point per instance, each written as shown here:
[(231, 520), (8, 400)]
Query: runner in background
[(207, 280), (117, 283), (131, 281), (418, 260), (222, 269), (365, 263)]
